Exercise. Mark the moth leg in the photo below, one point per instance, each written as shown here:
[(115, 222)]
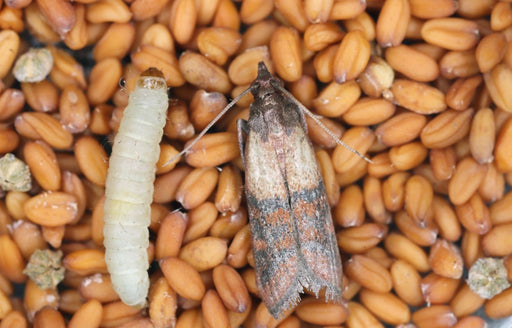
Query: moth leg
[(242, 128)]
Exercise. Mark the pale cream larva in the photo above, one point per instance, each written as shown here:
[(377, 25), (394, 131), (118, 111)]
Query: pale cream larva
[(129, 187)]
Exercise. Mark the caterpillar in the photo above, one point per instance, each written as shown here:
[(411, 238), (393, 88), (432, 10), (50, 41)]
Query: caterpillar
[(129, 187)]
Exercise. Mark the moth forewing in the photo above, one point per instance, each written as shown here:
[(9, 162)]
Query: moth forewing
[(129, 187), (293, 236)]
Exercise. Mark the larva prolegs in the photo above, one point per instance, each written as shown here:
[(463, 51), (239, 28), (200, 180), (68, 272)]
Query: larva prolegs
[(129, 188)]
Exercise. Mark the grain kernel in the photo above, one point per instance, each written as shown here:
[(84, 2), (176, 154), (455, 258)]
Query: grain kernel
[(465, 181), (368, 273), (255, 10), (349, 9), (49, 317), (319, 36), (406, 282), (386, 306), (490, 51), (418, 198), (317, 312), (92, 159), (412, 63), (434, 316), (197, 187), (88, 314), (213, 149), (244, 68), (51, 208), (374, 203), (204, 107), (446, 219), (400, 129), (349, 211), (240, 248), (231, 288), (162, 304), (108, 11), (503, 147), (446, 260), (42, 161), (456, 64), (418, 97), (362, 238), (402, 248), (293, 12), (501, 16), (103, 80), (9, 44), (423, 235), (499, 305), (451, 33), (183, 20), (360, 317), (318, 11), (143, 9), (72, 184), (447, 128), (74, 109), (443, 162), (363, 22), (183, 278), (437, 289), (369, 111), (462, 92), (377, 78), (392, 23), (158, 35), (288, 65), (218, 43), (11, 260), (336, 98), (492, 187), (98, 287), (48, 129), (497, 241), (359, 138), (170, 235), (433, 9), (214, 312), (66, 70), (14, 319), (204, 253), (474, 215), (257, 35), (117, 313), (351, 57), (393, 191), (229, 195), (471, 322), (465, 301), (152, 56), (85, 262), (408, 156), (496, 81), (115, 42), (202, 73)]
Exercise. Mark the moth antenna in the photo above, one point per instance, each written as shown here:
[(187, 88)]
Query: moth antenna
[(208, 127), (329, 132)]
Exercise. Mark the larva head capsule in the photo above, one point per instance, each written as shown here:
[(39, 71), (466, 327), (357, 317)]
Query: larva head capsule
[(152, 78)]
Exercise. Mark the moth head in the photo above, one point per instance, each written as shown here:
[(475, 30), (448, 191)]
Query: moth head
[(265, 79)]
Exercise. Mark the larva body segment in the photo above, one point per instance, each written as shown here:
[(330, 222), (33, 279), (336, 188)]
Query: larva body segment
[(129, 188)]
